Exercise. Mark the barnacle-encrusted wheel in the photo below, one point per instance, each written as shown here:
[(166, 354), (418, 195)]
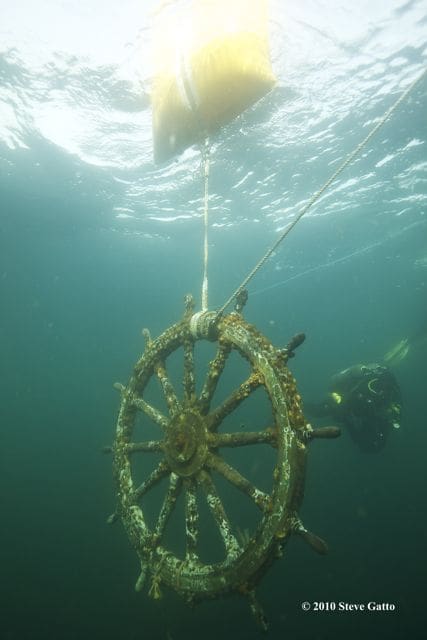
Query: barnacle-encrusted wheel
[(190, 463)]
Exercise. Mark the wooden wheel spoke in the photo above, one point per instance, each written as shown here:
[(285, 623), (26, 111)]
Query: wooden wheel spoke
[(155, 415), (216, 367), (154, 478), (216, 507), (175, 484), (189, 379), (261, 499), (242, 439), (168, 390), (191, 520), (149, 446), (234, 400)]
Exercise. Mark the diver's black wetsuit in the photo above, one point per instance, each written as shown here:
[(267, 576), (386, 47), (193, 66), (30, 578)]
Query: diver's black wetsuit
[(366, 400)]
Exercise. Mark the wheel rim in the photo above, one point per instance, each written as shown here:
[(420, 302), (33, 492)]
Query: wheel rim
[(190, 444)]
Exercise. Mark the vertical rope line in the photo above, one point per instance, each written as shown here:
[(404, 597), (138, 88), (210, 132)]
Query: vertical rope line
[(351, 156), (206, 225)]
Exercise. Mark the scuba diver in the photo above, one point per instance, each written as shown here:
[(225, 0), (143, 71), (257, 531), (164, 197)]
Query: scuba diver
[(366, 400)]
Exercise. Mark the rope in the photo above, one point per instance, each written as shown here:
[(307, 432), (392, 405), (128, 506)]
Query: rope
[(190, 92), (319, 193), (206, 222)]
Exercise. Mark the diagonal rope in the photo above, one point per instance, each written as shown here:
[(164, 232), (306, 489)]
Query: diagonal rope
[(319, 193)]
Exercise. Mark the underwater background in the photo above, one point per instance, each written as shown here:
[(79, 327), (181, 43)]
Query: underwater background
[(96, 242)]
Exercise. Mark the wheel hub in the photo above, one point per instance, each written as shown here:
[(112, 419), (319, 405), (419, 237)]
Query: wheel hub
[(186, 443)]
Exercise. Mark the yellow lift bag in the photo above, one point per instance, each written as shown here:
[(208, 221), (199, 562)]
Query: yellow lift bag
[(211, 62)]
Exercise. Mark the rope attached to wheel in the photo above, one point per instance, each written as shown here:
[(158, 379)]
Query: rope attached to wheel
[(348, 160), (205, 159)]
